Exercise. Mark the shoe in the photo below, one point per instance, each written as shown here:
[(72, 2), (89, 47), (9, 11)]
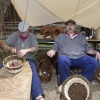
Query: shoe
[(60, 88), (39, 97)]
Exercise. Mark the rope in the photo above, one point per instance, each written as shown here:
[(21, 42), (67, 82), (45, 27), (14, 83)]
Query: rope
[(25, 13), (76, 9), (26, 10), (14, 13)]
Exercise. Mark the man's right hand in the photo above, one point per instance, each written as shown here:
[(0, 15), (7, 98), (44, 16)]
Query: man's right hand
[(13, 50), (9, 48), (51, 53)]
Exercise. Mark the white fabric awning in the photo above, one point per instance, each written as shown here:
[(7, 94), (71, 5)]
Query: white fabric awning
[(42, 12)]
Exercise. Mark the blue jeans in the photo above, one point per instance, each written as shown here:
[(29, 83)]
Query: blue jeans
[(89, 66), (1, 65), (36, 87)]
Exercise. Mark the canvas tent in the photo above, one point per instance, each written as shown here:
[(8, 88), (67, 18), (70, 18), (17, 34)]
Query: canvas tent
[(42, 12)]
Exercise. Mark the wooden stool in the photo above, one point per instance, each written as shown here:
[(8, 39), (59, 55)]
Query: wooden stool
[(16, 86)]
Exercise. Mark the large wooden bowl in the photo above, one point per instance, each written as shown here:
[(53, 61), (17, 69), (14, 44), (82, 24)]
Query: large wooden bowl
[(13, 64), (76, 87)]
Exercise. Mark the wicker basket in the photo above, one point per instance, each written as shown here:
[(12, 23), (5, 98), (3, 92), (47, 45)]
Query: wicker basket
[(45, 71), (13, 64), (76, 87)]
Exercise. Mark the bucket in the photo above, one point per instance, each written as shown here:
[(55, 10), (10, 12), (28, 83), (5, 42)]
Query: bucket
[(45, 71)]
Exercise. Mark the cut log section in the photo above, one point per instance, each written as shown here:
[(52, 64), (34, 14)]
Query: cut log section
[(57, 30), (47, 32), (76, 87), (45, 71)]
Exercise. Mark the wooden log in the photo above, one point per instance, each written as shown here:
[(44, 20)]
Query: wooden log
[(76, 87)]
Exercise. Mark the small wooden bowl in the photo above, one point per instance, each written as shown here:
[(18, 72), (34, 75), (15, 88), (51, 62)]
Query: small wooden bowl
[(13, 64)]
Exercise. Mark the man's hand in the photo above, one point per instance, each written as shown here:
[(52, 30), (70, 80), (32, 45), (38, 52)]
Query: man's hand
[(21, 53), (51, 53), (98, 56), (9, 48), (13, 50)]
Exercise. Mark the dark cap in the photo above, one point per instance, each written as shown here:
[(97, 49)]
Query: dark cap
[(70, 21)]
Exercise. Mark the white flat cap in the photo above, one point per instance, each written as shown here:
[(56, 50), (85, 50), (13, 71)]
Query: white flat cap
[(23, 26)]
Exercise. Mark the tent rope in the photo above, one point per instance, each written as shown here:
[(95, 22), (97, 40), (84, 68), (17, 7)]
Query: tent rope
[(14, 13), (26, 10), (76, 9)]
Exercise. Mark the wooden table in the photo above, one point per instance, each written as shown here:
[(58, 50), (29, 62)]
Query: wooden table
[(16, 86), (94, 42)]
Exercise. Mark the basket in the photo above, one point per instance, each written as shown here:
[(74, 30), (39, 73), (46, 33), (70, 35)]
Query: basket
[(76, 87), (45, 71), (13, 64)]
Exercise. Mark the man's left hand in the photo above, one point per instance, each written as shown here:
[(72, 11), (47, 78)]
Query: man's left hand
[(98, 56), (21, 53)]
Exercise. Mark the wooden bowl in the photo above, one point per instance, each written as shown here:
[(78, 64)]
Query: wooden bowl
[(76, 87), (13, 64)]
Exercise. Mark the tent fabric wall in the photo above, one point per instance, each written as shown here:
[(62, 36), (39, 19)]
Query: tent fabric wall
[(42, 12)]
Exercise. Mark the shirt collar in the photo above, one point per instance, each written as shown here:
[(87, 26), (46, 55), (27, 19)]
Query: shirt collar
[(71, 36), (23, 38)]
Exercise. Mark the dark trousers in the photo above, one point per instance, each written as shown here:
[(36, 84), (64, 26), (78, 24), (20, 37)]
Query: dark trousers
[(89, 66), (1, 65), (36, 87)]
